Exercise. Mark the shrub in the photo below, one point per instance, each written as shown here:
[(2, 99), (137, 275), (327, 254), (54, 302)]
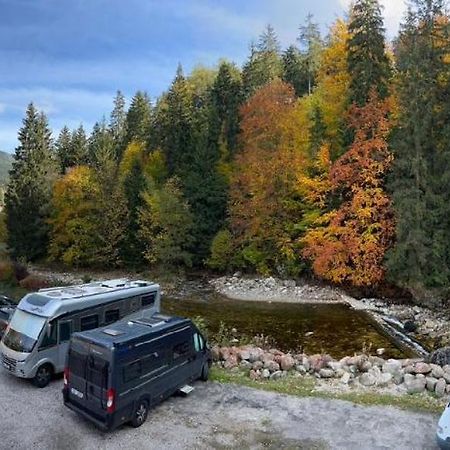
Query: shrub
[(34, 283), (221, 251), (20, 271), (7, 272)]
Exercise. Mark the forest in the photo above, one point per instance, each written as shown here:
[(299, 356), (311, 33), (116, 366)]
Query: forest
[(330, 157)]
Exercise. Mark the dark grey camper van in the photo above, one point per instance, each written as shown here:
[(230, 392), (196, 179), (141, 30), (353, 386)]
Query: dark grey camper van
[(115, 374)]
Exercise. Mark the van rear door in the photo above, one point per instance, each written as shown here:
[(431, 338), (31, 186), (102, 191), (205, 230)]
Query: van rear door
[(97, 368)]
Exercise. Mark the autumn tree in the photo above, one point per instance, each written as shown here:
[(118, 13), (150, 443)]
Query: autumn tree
[(349, 243), (27, 198)]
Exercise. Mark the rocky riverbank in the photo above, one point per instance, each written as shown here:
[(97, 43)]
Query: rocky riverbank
[(430, 327), (352, 373)]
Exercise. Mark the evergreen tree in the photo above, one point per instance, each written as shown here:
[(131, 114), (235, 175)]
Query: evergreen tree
[(63, 148), (420, 179), (138, 119), (318, 131), (78, 154), (368, 63), (28, 195), (101, 148), (118, 122), (311, 42), (264, 63), (295, 71)]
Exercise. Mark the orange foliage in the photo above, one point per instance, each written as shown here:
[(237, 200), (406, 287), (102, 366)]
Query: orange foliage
[(349, 244)]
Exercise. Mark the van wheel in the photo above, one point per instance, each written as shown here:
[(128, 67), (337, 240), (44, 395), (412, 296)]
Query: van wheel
[(205, 372), (43, 376), (140, 414)]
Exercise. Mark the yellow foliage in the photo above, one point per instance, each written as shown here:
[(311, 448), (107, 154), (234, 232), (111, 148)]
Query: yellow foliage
[(135, 151)]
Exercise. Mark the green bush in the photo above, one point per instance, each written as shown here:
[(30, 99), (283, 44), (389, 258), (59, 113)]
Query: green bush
[(222, 251)]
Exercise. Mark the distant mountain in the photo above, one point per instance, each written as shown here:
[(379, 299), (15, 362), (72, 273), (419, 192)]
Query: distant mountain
[(5, 165)]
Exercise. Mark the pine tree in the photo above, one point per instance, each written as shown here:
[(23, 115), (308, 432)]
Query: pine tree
[(78, 154), (295, 70), (101, 147), (138, 119), (311, 42), (63, 148), (117, 123), (368, 63), (419, 182), (264, 63), (28, 195)]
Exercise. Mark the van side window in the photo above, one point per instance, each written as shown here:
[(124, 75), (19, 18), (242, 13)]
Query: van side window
[(49, 338), (197, 342), (131, 371), (148, 300), (89, 322), (65, 330), (153, 362), (180, 350), (112, 315)]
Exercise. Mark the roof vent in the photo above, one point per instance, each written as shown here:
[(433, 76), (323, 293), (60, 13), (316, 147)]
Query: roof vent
[(112, 332)]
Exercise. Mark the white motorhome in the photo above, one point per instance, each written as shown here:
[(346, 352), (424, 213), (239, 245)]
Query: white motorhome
[(35, 342)]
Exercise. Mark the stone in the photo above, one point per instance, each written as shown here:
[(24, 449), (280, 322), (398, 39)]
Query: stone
[(230, 362), (392, 366), (258, 365), (345, 379), (318, 362), (224, 353), (410, 326), (441, 356), (436, 371), (276, 375), (380, 351), (367, 379), (431, 383), (326, 373), (265, 373), (410, 369), (272, 366), (255, 354), (416, 385), (440, 387), (447, 377), (306, 364), (377, 361), (335, 365), (287, 362), (300, 368), (384, 379), (422, 368), (365, 366), (245, 365), (215, 352), (447, 389), (254, 375), (244, 354)]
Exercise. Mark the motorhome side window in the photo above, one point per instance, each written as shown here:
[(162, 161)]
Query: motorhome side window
[(148, 300), (65, 330), (49, 338), (180, 349), (131, 371), (113, 315), (89, 322)]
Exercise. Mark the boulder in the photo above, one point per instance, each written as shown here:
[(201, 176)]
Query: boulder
[(276, 375), (431, 383), (416, 385), (422, 368), (300, 368), (365, 366), (244, 354), (335, 365), (326, 373), (447, 377), (265, 373), (215, 352), (410, 369), (384, 379), (258, 365), (272, 366), (306, 364), (439, 388), (224, 353), (392, 366), (255, 375), (367, 379), (287, 362), (244, 364), (441, 356), (255, 354), (410, 326), (318, 362), (436, 371), (230, 362), (345, 379)]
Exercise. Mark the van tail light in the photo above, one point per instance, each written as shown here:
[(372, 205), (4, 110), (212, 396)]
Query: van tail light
[(110, 401), (66, 376)]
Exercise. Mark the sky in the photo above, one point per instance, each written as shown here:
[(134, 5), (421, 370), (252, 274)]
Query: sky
[(70, 56)]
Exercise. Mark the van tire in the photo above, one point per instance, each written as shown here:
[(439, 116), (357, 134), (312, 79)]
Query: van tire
[(205, 372), (140, 414), (43, 376)]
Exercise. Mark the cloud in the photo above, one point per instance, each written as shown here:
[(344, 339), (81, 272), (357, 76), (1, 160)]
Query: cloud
[(393, 11)]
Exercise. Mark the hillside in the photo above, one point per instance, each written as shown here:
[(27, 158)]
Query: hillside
[(5, 165)]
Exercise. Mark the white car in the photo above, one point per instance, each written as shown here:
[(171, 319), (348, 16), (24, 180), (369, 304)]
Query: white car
[(443, 430)]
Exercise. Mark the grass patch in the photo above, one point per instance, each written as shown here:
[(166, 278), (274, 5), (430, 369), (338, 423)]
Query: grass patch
[(305, 387)]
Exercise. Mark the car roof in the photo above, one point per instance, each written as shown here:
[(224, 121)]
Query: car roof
[(132, 329)]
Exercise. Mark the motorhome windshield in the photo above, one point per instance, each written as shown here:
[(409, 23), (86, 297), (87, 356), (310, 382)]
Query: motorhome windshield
[(23, 332)]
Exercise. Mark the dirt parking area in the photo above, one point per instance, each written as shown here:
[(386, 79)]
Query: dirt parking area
[(214, 416)]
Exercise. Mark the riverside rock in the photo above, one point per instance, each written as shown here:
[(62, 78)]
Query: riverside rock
[(436, 371), (416, 385), (326, 373), (439, 389), (272, 366), (287, 362), (422, 368), (367, 379), (431, 383)]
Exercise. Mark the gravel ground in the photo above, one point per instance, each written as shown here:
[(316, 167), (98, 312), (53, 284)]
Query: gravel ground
[(214, 416)]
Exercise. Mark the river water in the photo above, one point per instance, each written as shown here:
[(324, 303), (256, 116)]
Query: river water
[(311, 328)]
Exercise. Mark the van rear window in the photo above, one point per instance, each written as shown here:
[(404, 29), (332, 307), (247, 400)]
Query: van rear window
[(97, 371), (77, 363)]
